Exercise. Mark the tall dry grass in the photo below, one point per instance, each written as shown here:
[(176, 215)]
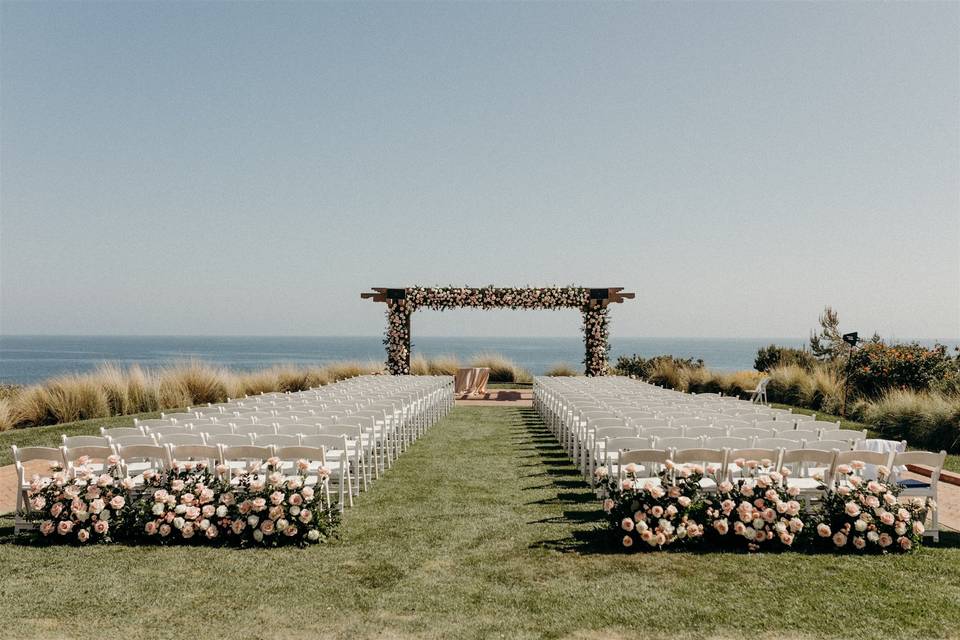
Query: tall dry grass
[(502, 369), (929, 420), (111, 390), (561, 370)]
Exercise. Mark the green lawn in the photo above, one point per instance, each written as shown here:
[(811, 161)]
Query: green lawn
[(483, 529)]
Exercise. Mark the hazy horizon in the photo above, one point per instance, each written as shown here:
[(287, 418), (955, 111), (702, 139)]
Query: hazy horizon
[(251, 168)]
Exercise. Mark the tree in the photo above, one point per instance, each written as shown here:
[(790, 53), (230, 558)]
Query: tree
[(828, 344)]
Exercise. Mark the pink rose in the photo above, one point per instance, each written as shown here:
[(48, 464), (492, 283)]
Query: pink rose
[(852, 509), (187, 531), (101, 526), (192, 513), (208, 510), (64, 527), (885, 540), (628, 541), (56, 509), (266, 527), (211, 532), (258, 504), (117, 502), (608, 505), (683, 501), (296, 499), (150, 528), (887, 518), (839, 539), (307, 493), (47, 527), (83, 535), (722, 526), (918, 528), (238, 526), (905, 543), (725, 487), (165, 530), (290, 531), (823, 530), (656, 511), (626, 524), (305, 516), (786, 538)]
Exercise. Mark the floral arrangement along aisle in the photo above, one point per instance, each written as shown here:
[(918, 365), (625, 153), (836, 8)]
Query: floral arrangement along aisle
[(760, 511), (82, 506), (596, 317), (656, 514), (189, 504), (866, 516)]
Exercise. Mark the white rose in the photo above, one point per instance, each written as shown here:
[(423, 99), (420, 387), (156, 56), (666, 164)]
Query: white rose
[(258, 535), (873, 536), (82, 516), (860, 525), (253, 520), (158, 508), (180, 508), (222, 511), (313, 535), (204, 524), (105, 514), (178, 522), (294, 511)]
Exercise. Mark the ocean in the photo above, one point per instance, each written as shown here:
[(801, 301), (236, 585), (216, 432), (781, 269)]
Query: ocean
[(26, 359)]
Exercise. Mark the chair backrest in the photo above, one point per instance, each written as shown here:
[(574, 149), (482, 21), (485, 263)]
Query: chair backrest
[(131, 440), (22, 455), (298, 429), (820, 424), (661, 432), (757, 454), (751, 432), (197, 452), (628, 442), (778, 443), (704, 432), (828, 445), (733, 423), (256, 429), (351, 431), (84, 441), (729, 442), (802, 418), (701, 456), (651, 459), (927, 458), (277, 440), (168, 429), (867, 457), (177, 418), (772, 425), (121, 432), (330, 442), (849, 435), (154, 422), (93, 452), (652, 423), (230, 439), (689, 422), (615, 432), (802, 460), (181, 438), (157, 455), (213, 429), (676, 443)]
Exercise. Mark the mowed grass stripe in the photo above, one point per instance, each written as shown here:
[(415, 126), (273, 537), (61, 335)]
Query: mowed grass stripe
[(482, 529)]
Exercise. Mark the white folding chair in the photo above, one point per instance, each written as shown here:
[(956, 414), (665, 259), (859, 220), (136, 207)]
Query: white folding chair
[(22, 456), (911, 487)]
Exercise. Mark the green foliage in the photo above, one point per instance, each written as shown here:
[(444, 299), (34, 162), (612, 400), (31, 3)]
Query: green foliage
[(876, 367), (774, 355), (561, 370)]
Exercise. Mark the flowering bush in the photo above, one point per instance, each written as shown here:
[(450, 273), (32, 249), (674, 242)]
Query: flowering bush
[(277, 510), (759, 511), (657, 515), (866, 516), (876, 367), (84, 507)]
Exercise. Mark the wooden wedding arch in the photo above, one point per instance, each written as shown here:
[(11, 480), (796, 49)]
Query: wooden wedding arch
[(592, 302)]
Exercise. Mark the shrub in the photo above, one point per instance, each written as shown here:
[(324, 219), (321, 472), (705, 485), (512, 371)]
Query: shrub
[(789, 384), (876, 367), (774, 355), (419, 366), (667, 373), (926, 420), (7, 416), (640, 367), (560, 370)]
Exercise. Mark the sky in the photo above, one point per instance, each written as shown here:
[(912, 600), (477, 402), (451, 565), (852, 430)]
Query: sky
[(250, 168)]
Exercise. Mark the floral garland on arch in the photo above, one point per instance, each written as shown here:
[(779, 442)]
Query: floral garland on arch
[(596, 318)]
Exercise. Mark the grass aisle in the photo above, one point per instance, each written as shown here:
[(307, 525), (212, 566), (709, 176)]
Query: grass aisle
[(482, 529)]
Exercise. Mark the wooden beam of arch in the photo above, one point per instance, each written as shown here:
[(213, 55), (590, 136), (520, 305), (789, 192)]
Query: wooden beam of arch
[(602, 296)]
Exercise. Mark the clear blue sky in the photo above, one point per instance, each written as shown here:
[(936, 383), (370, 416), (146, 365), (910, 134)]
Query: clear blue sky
[(250, 168)]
